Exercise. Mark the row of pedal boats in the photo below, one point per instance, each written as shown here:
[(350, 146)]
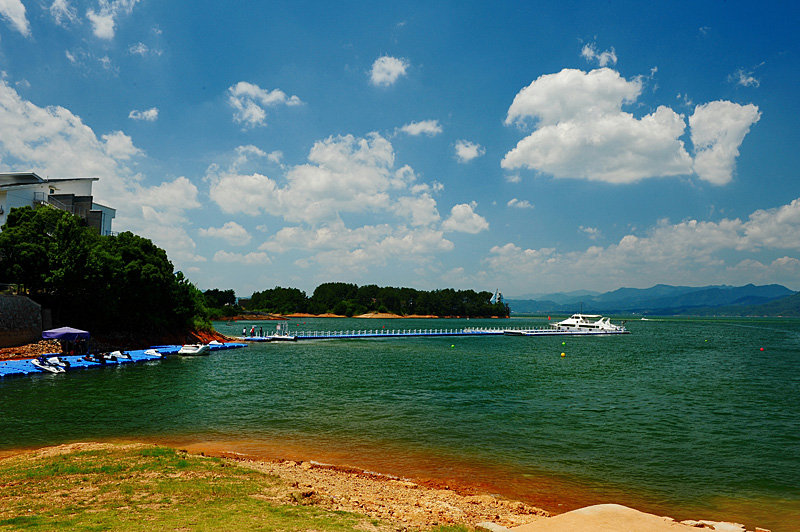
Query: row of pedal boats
[(60, 364)]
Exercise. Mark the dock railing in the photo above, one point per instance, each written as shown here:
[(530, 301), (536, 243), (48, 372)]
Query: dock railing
[(394, 333)]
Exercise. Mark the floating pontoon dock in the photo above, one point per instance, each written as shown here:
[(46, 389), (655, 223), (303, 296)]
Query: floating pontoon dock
[(10, 368), (415, 333)]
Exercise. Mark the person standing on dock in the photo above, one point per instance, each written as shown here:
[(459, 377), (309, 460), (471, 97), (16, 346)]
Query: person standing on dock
[(261, 331), (244, 331)]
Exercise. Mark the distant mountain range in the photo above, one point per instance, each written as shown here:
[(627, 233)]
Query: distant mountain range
[(664, 299)]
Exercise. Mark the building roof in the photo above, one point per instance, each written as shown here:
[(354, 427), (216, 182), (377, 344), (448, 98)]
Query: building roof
[(31, 178), (20, 178)]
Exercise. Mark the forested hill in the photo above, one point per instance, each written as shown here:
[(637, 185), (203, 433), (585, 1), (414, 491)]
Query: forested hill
[(351, 300), (113, 286), (785, 306), (663, 300)]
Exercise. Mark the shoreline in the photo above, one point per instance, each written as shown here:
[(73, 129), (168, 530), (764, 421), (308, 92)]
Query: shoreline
[(368, 315), (409, 503)]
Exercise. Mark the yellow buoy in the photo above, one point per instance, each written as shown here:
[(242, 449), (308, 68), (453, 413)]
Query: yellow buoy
[(563, 354)]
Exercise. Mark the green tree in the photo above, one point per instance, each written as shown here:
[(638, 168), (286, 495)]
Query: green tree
[(116, 284), (279, 300), (215, 298), (327, 295)]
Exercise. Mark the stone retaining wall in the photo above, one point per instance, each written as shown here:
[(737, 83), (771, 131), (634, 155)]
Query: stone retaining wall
[(20, 321)]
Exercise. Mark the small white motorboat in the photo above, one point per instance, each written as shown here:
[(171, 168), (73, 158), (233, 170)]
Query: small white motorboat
[(50, 364), (194, 349), (281, 338)]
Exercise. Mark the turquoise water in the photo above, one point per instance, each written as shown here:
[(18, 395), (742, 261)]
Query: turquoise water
[(686, 417)]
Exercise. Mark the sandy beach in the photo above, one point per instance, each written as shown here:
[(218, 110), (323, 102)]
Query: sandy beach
[(412, 505), (409, 505)]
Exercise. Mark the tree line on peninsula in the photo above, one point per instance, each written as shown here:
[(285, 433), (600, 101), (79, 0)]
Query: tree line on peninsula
[(347, 299), (124, 285)]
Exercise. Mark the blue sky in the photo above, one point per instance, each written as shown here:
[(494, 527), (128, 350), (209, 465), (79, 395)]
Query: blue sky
[(531, 148)]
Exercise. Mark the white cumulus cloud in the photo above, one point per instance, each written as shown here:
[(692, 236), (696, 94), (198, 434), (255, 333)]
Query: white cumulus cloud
[(344, 174), (349, 206), (425, 127), (519, 204), (345, 250), (464, 219), (572, 94), (254, 257), (231, 232), (120, 146), (581, 131), (718, 129), (249, 102), (467, 150), (53, 141), (688, 252), (387, 70), (419, 210)]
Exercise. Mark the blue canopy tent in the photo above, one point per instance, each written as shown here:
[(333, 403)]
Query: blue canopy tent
[(65, 333)]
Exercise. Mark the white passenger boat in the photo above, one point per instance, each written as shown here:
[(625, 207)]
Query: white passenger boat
[(577, 324), (588, 323), (194, 349)]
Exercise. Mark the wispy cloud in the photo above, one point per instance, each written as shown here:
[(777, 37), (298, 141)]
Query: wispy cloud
[(744, 78), (14, 12), (141, 49), (63, 14), (591, 232), (150, 115), (605, 58), (104, 19)]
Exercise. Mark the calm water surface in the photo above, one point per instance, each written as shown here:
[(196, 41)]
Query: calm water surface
[(684, 417)]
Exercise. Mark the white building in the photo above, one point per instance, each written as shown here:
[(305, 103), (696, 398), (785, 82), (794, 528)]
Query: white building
[(73, 194)]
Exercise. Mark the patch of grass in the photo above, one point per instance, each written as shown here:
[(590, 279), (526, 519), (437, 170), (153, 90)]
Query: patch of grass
[(152, 488), (22, 521)]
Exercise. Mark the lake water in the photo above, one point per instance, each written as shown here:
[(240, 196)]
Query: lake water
[(684, 417)]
